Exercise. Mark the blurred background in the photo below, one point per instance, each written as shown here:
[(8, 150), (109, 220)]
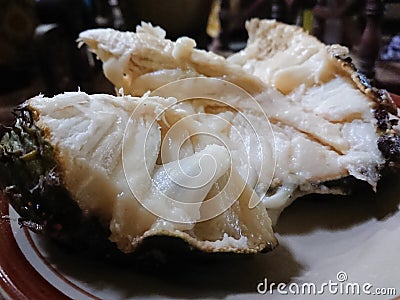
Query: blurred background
[(39, 54)]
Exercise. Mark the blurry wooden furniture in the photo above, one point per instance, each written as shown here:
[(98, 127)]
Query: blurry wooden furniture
[(388, 72), (234, 13), (289, 11), (279, 10), (232, 17), (177, 17), (370, 43), (360, 23)]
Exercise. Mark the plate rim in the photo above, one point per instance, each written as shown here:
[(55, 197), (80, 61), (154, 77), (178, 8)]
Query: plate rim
[(18, 278)]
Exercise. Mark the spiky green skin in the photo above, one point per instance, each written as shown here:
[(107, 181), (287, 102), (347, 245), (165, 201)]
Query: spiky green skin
[(27, 165), (30, 177), (389, 141)]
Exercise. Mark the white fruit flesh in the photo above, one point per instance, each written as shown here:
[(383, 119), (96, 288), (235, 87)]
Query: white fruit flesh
[(324, 126), (321, 88), (145, 60), (109, 151)]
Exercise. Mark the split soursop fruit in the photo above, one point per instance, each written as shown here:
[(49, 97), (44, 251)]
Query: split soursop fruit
[(206, 149)]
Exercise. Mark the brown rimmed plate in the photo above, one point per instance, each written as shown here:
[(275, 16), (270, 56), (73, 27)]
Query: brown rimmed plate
[(345, 240)]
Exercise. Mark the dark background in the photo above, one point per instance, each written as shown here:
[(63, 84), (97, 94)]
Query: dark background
[(39, 54)]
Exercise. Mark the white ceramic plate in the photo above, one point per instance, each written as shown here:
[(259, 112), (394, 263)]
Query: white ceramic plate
[(342, 241)]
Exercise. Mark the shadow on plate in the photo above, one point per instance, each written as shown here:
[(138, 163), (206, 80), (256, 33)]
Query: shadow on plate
[(212, 275), (339, 212)]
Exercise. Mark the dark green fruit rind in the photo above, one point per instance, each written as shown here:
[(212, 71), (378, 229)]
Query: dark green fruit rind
[(30, 177), (389, 141)]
